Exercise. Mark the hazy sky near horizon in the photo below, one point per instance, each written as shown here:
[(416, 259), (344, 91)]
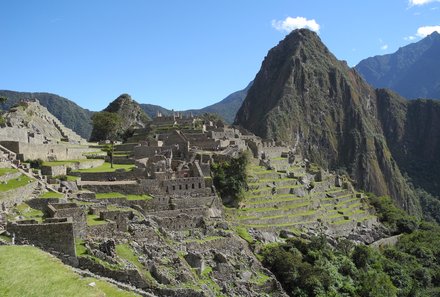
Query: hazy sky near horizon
[(183, 54)]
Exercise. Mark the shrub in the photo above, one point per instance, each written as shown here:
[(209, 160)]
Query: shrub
[(36, 164)]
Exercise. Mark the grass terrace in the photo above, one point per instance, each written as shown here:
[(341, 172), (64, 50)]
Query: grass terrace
[(106, 167), (32, 273), (64, 162), (51, 195), (4, 171), (15, 183), (93, 220), (26, 212), (116, 195)]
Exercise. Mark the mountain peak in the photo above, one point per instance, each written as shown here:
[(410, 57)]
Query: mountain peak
[(305, 97), (131, 114), (435, 34), (120, 102)]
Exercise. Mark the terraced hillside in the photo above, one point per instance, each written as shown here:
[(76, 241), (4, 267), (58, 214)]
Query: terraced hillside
[(297, 196)]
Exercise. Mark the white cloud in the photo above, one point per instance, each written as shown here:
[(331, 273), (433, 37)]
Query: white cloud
[(384, 47), (421, 2), (409, 38), (289, 24), (426, 30)]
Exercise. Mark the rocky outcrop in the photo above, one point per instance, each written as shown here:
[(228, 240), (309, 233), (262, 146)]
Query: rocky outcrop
[(304, 96), (131, 115), (30, 122), (68, 112)]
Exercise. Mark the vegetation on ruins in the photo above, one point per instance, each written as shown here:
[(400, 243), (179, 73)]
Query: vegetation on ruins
[(229, 178), (3, 100), (36, 164), (316, 268)]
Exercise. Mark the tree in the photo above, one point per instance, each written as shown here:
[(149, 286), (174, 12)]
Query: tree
[(3, 99), (110, 148), (229, 178), (106, 126)]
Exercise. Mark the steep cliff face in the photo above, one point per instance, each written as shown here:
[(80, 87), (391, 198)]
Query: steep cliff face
[(412, 130), (303, 94)]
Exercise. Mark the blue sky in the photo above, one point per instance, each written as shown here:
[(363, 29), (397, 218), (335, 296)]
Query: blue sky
[(183, 54)]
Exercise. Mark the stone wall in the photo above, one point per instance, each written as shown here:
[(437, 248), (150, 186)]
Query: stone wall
[(123, 160), (129, 276), (16, 196), (121, 218), (48, 236), (102, 231), (54, 170), (46, 152), (42, 203), (184, 185), (199, 211), (106, 176), (191, 202), (13, 134), (73, 211), (180, 222)]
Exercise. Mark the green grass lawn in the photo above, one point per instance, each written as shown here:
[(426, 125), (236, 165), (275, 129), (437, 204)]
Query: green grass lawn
[(27, 271), (63, 162), (112, 195), (93, 220), (27, 212), (4, 171), (80, 247), (15, 183), (51, 195), (125, 252), (139, 197), (72, 178), (109, 195), (106, 167)]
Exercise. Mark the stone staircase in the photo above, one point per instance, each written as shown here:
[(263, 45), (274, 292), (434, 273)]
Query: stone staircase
[(67, 134)]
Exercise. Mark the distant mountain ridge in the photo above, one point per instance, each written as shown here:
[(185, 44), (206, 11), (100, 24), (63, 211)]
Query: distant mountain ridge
[(226, 108), (78, 119), (413, 71)]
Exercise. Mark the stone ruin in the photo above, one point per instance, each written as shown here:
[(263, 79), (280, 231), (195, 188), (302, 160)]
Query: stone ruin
[(169, 214)]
